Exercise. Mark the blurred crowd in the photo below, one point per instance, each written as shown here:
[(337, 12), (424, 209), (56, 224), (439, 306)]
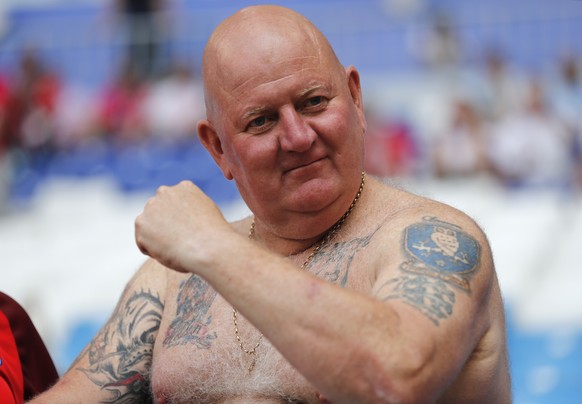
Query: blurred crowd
[(43, 116), (520, 128)]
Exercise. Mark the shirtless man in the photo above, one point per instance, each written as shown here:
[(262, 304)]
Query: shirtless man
[(337, 289)]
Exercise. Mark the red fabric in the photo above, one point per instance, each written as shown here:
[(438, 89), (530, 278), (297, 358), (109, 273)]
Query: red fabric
[(11, 380), (38, 369), (4, 93), (4, 97)]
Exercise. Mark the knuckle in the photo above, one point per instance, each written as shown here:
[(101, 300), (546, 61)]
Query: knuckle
[(161, 190)]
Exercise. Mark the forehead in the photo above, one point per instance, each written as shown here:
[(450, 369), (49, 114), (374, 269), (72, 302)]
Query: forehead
[(261, 80), (292, 73), (267, 55), (251, 58)]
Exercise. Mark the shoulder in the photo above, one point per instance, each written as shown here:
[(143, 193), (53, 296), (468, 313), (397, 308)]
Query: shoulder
[(437, 260), (406, 210), (151, 273), (425, 236)]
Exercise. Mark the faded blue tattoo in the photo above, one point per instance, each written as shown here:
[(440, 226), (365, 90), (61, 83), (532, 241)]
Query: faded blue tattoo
[(333, 262), (192, 322), (440, 258), (432, 296), (440, 249)]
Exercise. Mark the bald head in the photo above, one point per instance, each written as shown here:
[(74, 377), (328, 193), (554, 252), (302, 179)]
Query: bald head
[(255, 41)]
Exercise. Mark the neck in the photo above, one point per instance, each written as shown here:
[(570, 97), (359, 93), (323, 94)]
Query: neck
[(293, 246)]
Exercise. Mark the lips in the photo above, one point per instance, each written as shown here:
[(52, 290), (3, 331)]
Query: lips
[(297, 166)]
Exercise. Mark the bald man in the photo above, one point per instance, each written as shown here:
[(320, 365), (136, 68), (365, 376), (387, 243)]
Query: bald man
[(338, 288)]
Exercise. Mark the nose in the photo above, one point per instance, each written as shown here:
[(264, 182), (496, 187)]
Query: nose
[(296, 133)]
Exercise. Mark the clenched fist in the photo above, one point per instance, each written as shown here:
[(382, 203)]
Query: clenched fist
[(179, 226)]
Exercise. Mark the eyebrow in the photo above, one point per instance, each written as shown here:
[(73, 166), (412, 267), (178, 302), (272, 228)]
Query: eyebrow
[(261, 110), (311, 89), (253, 112)]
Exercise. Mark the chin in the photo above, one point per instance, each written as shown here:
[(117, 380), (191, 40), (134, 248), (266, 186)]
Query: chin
[(315, 196)]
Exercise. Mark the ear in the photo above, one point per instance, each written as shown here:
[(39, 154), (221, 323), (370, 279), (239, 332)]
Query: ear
[(353, 78), (211, 141)]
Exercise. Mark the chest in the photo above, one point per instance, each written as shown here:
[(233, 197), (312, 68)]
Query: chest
[(198, 357)]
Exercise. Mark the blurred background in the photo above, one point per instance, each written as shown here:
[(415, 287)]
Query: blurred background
[(474, 103)]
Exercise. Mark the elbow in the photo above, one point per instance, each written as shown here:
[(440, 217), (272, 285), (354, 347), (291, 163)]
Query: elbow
[(409, 383), (401, 378), (397, 392)]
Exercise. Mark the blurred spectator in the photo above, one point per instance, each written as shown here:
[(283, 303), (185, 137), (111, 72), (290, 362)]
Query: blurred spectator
[(4, 20), (174, 105), (440, 46), (532, 147), (76, 117), (567, 104), (390, 146), (120, 115), (143, 22), (503, 89), (4, 99), (461, 150), (29, 113)]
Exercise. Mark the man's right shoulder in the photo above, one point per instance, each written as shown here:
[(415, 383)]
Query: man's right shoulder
[(152, 269), (151, 276)]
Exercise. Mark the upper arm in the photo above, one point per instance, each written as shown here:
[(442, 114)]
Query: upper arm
[(439, 285), (115, 365)]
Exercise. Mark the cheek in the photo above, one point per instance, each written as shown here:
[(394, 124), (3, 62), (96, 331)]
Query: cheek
[(253, 152), (341, 127)]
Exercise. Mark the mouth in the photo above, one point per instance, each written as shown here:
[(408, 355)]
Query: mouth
[(298, 168)]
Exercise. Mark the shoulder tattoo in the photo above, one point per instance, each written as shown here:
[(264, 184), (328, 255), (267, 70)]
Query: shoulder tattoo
[(440, 260), (192, 322), (120, 355)]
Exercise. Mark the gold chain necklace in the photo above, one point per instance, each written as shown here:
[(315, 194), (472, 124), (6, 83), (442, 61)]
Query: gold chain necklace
[(318, 246)]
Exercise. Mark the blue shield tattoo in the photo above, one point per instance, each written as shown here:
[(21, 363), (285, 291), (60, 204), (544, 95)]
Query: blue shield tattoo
[(441, 250)]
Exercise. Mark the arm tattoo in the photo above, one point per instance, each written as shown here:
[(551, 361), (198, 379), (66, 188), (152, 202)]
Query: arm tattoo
[(120, 355), (192, 321), (440, 259)]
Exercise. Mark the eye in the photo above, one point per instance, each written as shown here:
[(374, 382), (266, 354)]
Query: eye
[(261, 124), (314, 101), (315, 104), (258, 122)]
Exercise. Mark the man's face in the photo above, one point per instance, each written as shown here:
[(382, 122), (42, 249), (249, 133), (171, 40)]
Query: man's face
[(291, 127)]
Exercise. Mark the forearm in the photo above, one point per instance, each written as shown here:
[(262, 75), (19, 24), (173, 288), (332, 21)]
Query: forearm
[(66, 391)]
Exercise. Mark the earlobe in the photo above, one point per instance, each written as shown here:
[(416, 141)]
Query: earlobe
[(211, 141)]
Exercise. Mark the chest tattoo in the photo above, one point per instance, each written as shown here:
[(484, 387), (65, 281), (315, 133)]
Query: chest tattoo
[(192, 322), (334, 262)]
